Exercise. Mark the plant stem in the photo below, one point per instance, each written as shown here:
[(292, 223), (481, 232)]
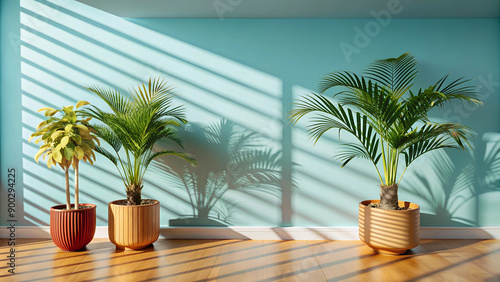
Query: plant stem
[(399, 181), (77, 192), (68, 199), (384, 161), (393, 166)]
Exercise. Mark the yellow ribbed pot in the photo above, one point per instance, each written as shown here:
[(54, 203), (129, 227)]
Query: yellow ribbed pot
[(133, 227), (389, 231)]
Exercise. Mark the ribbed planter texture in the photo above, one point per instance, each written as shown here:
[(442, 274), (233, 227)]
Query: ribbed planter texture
[(389, 232), (133, 227), (71, 230)]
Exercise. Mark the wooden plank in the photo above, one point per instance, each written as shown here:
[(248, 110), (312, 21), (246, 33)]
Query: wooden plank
[(40, 259), (241, 261), (290, 261), (188, 260), (253, 260)]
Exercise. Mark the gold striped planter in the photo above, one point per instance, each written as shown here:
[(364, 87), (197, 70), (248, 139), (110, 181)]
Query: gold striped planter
[(72, 230), (133, 227), (389, 232)]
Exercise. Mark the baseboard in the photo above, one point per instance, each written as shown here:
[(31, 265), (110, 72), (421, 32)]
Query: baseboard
[(262, 233), (42, 232), (460, 232), (271, 233)]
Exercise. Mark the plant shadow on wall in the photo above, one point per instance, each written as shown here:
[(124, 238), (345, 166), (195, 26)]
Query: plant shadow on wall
[(460, 185), (230, 158)]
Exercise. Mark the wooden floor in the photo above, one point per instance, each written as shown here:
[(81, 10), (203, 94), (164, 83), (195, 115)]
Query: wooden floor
[(251, 260)]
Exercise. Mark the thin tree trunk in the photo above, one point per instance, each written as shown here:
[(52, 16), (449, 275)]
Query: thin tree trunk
[(134, 195), (77, 203), (68, 199), (389, 197)]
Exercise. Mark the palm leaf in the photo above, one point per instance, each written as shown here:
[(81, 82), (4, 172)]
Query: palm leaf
[(390, 116), (108, 135), (457, 90), (343, 78), (115, 100), (185, 156), (135, 124), (394, 73), (352, 151), (106, 153)]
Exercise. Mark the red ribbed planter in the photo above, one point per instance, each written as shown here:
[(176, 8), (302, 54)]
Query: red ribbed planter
[(71, 230)]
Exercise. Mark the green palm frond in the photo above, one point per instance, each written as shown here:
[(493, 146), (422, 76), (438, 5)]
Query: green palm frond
[(169, 133), (135, 125), (161, 134), (337, 117), (353, 151), (391, 120), (459, 134), (106, 134), (343, 78), (394, 73), (115, 100), (106, 153), (457, 90), (155, 91), (185, 156), (377, 103)]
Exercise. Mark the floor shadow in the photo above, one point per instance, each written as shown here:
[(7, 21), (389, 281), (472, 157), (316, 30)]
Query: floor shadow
[(437, 245)]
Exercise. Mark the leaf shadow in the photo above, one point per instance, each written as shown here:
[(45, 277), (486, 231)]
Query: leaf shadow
[(449, 185), (230, 158)]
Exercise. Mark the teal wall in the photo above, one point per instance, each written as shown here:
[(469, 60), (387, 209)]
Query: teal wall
[(10, 105), (244, 74)]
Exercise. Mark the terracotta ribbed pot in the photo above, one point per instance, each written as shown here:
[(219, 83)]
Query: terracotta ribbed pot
[(133, 227), (72, 230), (389, 231)]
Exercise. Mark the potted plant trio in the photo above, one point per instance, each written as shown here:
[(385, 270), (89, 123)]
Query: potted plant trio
[(67, 140), (131, 129), (392, 127)]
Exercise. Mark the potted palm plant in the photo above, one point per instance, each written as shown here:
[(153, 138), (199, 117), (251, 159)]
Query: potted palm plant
[(67, 140), (132, 127), (393, 128)]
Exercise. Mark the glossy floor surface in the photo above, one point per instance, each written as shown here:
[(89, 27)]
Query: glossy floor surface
[(252, 260)]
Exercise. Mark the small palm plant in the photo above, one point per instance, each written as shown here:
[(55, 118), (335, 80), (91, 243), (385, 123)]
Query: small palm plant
[(67, 140), (391, 122), (135, 124)]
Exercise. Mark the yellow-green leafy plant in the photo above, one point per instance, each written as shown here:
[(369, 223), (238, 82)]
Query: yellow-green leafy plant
[(67, 139)]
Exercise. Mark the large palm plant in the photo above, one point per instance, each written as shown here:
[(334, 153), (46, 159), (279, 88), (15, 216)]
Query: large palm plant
[(391, 121), (135, 124)]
